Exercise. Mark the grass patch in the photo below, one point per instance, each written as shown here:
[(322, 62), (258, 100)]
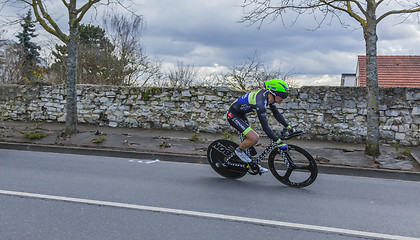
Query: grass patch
[(228, 136), (405, 152), (196, 138), (33, 135), (98, 140)]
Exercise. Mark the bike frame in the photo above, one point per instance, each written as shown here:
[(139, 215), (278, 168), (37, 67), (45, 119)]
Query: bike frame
[(266, 151), (257, 160)]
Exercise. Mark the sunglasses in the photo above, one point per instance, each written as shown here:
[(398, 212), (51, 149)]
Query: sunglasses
[(282, 94)]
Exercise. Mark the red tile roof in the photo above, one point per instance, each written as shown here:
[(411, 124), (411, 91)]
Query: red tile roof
[(393, 71)]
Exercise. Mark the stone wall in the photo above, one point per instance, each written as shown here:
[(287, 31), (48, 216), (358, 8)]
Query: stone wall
[(325, 113)]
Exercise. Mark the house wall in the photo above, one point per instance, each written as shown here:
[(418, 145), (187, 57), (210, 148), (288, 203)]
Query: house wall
[(324, 113), (348, 80)]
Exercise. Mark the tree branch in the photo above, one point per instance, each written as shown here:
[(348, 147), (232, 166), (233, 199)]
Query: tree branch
[(357, 2), (379, 2), (348, 9), (264, 9), (65, 3), (82, 11), (398, 12), (54, 29)]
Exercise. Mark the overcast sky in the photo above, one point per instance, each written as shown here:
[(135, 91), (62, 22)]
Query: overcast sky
[(207, 34)]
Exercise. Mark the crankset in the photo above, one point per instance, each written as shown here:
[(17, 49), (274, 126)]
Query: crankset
[(253, 168)]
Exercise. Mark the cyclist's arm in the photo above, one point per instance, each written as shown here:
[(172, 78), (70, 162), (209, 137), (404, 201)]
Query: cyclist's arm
[(279, 117), (264, 123)]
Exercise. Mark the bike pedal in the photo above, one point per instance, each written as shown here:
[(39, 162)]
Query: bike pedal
[(253, 169)]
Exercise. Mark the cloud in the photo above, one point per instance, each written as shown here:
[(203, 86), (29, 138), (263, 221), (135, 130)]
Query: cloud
[(318, 80), (215, 36), (207, 34)]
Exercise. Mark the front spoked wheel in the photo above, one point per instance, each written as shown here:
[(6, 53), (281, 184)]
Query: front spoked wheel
[(295, 168)]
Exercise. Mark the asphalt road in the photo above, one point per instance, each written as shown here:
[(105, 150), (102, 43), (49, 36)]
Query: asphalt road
[(89, 197)]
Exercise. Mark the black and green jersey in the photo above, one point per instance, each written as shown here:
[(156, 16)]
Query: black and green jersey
[(257, 101)]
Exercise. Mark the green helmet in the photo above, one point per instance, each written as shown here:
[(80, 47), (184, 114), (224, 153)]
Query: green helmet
[(277, 87)]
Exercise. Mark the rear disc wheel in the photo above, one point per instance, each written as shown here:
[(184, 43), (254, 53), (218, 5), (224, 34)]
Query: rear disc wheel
[(217, 152)]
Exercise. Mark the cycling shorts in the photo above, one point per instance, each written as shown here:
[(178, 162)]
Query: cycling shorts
[(239, 122)]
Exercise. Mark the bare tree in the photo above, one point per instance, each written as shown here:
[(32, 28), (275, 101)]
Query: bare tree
[(96, 61), (181, 76), (248, 75), (292, 82), (75, 11), (125, 34), (365, 13), (10, 62), (244, 76), (75, 15)]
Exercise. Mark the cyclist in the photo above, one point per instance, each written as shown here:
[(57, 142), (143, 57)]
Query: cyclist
[(275, 91)]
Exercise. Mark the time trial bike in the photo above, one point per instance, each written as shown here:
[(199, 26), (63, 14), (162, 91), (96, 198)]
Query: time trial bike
[(295, 167)]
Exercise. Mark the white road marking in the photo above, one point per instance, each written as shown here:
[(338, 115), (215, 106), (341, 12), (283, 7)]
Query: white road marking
[(144, 161), (210, 215)]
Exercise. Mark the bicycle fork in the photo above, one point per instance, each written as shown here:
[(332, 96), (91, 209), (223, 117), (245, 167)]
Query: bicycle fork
[(287, 160)]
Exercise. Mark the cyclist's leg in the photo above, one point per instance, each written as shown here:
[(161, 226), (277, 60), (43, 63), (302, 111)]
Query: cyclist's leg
[(251, 139), (241, 124)]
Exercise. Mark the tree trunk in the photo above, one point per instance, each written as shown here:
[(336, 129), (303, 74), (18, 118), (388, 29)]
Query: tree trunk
[(71, 98), (372, 138)]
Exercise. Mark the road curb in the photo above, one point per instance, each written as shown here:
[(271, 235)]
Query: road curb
[(370, 172), (106, 152)]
